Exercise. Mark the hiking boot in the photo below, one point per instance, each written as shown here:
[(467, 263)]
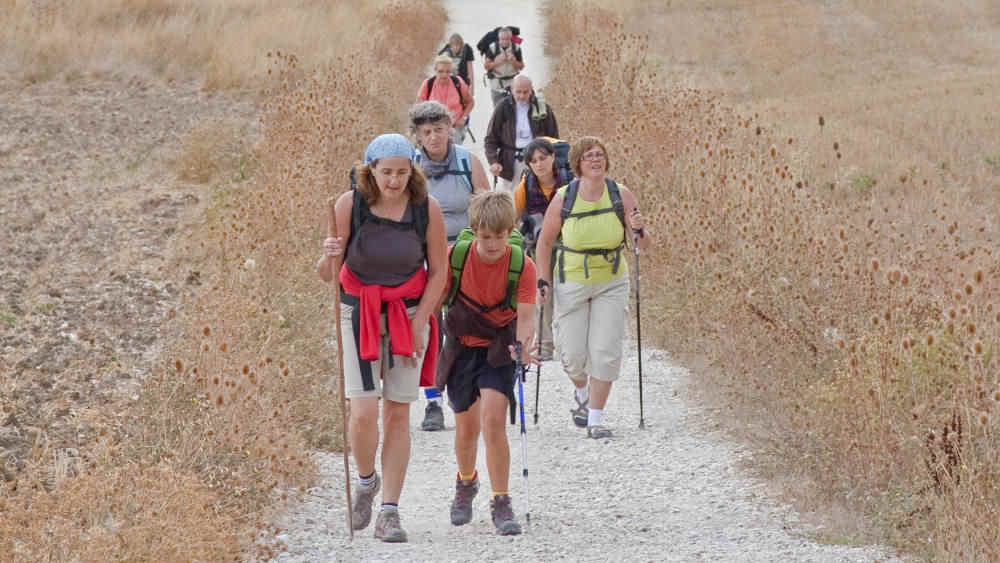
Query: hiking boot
[(388, 528), (362, 504), (503, 516), (580, 412), (433, 417), (461, 507), (597, 431)]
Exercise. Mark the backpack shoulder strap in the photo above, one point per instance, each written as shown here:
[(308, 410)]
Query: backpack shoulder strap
[(615, 195), (458, 254), (421, 217), (464, 159), (514, 276), (430, 87), (569, 198)]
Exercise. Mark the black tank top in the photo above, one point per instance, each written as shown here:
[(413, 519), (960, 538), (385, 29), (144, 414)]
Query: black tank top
[(383, 251)]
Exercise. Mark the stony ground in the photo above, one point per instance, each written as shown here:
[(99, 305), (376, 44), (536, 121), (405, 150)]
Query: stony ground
[(89, 205), (673, 491)]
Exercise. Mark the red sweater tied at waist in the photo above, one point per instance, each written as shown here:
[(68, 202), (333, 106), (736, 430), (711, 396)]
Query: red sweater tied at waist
[(371, 298)]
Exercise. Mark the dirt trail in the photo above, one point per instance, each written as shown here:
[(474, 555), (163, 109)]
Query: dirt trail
[(671, 492)]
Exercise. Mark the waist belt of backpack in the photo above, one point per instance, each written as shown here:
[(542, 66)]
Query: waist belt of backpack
[(612, 255), (365, 366)]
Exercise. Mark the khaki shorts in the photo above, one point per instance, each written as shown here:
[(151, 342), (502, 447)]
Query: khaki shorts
[(400, 383), (589, 327)]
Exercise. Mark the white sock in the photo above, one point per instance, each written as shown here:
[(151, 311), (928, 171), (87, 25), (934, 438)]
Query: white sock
[(594, 417), (367, 482), (582, 393)]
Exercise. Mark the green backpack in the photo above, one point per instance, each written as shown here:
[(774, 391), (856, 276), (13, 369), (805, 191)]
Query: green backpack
[(460, 252)]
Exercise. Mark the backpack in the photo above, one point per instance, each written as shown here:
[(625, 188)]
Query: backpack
[(493, 36), (461, 155), (460, 253), (360, 213), (454, 80), (617, 206)]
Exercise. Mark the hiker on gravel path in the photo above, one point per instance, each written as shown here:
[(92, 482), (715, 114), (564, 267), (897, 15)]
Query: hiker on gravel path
[(503, 61), (521, 117), (461, 57), (487, 312), (392, 228), (542, 176), (451, 91), (453, 176), (589, 223)]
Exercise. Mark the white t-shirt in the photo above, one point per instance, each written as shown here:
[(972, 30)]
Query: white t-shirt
[(522, 131)]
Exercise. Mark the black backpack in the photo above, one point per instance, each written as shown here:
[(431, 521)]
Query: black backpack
[(564, 173), (360, 214), (493, 36)]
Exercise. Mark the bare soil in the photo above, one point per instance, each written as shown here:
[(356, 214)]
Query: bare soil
[(89, 203)]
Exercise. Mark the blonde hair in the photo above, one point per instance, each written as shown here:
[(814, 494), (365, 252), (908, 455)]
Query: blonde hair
[(492, 211), (582, 145), (368, 187), (444, 59)]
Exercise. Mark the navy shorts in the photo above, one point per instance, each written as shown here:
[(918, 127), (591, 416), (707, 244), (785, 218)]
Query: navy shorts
[(471, 373)]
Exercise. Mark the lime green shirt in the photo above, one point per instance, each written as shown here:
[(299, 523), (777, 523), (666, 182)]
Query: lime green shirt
[(594, 231)]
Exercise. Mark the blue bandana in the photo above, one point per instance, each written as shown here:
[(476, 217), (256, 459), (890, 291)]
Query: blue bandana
[(389, 145)]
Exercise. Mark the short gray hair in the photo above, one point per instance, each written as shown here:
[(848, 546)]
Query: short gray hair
[(431, 111)]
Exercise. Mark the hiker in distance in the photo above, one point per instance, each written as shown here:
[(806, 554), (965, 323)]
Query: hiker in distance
[(589, 223), (453, 176), (517, 120), (544, 172), (392, 227), (491, 303), (461, 58), (451, 91), (503, 60)]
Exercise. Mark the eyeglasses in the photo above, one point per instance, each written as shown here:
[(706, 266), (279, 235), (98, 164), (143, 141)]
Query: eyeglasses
[(596, 155)]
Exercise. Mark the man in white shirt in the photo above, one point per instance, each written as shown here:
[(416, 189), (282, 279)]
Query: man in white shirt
[(517, 120)]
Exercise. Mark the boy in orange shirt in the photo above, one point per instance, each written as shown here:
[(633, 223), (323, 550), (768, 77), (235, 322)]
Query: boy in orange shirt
[(476, 366)]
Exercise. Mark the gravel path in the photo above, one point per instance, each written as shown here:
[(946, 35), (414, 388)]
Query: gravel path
[(670, 492)]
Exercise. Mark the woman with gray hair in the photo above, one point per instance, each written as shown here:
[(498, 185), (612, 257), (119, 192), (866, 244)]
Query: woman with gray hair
[(453, 175), (451, 91)]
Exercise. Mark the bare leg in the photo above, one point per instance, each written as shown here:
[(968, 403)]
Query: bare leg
[(495, 435), (467, 438), (396, 449), (599, 391), (363, 429)]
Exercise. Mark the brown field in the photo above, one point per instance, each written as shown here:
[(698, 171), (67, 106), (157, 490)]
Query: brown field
[(823, 183), (164, 168)]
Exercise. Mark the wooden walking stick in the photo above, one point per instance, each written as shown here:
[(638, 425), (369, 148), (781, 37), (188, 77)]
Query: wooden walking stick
[(335, 282)]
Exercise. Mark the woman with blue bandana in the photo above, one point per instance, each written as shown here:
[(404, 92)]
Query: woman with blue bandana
[(453, 176), (392, 271)]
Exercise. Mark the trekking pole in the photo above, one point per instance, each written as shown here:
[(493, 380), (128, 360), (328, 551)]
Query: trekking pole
[(538, 372), (638, 324), (519, 374), (335, 282)]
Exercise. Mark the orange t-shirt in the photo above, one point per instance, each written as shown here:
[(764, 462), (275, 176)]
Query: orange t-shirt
[(487, 284)]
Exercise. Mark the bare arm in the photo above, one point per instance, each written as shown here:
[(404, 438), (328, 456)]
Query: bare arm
[(437, 261), (480, 183), (634, 218), (472, 77), (525, 324), (329, 265), (551, 226)]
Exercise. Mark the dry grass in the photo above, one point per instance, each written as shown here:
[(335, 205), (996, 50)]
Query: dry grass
[(848, 313), (193, 470), (222, 43)]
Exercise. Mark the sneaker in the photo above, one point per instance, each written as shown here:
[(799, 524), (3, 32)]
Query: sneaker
[(597, 431), (580, 412), (503, 516), (362, 504), (388, 528), (461, 507), (433, 417)]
